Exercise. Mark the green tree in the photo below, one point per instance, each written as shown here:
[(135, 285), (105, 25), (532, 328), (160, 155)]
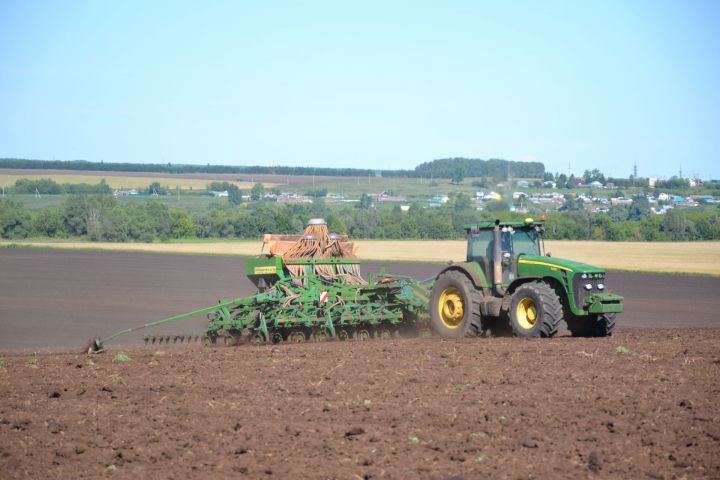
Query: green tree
[(235, 196), (458, 175), (365, 201), (594, 175), (336, 224), (15, 220), (82, 214), (573, 203), (562, 180), (43, 186), (461, 201), (640, 208), (48, 222), (182, 225), (708, 226), (497, 206), (619, 213), (156, 188), (257, 191), (677, 226)]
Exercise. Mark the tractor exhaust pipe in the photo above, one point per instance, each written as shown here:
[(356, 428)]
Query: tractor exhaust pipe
[(497, 260)]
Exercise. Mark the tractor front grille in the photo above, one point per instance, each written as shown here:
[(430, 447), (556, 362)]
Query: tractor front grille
[(581, 293)]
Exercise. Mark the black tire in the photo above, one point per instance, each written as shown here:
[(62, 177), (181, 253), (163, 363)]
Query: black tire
[(535, 310), (455, 306), (597, 325)]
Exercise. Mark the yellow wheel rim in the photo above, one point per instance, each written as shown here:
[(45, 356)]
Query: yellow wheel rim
[(451, 307), (526, 313)]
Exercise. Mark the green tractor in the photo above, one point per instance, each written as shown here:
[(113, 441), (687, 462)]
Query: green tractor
[(509, 284)]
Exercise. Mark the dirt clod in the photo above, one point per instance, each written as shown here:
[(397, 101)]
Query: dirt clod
[(354, 431), (594, 462)]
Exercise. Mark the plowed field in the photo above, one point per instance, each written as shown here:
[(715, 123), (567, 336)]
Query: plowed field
[(641, 404)]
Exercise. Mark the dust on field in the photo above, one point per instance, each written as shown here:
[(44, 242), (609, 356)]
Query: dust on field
[(638, 404)]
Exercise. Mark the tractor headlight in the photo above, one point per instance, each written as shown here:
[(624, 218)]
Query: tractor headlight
[(583, 276), (588, 286), (601, 286)]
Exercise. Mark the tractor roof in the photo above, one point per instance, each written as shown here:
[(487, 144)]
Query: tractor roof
[(489, 225)]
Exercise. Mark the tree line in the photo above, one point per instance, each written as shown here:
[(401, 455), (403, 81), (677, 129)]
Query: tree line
[(458, 168), (441, 168), (22, 163), (102, 218), (47, 186)]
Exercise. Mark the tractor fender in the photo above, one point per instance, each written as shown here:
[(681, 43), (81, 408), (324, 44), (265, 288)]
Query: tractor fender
[(519, 281), (471, 269), (553, 282)]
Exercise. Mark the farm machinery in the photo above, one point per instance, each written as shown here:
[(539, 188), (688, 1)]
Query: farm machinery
[(509, 284), (309, 287)]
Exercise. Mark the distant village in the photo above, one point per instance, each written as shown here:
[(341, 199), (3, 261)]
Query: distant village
[(594, 196)]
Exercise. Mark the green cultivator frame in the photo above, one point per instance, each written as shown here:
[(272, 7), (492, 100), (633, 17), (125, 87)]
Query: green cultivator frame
[(316, 307), (305, 299)]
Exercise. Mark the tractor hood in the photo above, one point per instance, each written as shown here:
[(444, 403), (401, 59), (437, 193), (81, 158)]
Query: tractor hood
[(533, 263)]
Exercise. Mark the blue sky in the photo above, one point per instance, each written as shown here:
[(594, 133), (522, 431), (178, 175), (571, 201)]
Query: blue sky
[(575, 85)]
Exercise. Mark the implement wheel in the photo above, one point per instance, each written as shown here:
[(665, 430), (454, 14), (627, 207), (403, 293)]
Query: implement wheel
[(296, 336), (455, 306), (535, 311)]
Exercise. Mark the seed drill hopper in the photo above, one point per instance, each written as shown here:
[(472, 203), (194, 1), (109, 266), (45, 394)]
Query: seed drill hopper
[(309, 287)]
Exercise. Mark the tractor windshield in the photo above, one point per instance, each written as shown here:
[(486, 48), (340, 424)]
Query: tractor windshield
[(526, 242), (515, 242)]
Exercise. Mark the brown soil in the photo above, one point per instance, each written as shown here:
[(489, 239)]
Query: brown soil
[(641, 404)]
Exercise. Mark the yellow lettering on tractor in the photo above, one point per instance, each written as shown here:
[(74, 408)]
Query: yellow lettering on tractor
[(264, 270)]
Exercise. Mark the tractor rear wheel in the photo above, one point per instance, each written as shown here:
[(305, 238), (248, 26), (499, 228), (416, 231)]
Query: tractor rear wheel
[(599, 325), (535, 310), (455, 306)]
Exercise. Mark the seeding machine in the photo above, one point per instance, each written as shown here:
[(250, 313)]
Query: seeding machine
[(309, 287)]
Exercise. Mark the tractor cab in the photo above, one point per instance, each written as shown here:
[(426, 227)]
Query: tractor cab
[(515, 238)]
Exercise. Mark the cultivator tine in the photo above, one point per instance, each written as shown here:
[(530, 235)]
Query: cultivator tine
[(167, 339)]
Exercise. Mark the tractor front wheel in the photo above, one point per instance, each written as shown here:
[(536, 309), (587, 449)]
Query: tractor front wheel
[(535, 311), (598, 325), (455, 306)]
